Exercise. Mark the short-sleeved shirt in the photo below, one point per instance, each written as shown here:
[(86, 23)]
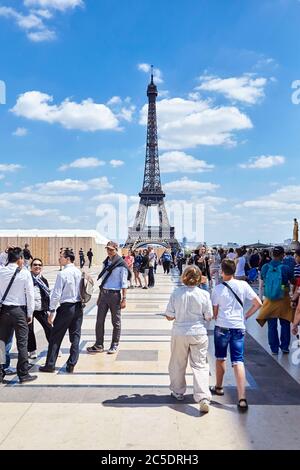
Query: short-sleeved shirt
[(286, 272), (191, 307), (231, 313)]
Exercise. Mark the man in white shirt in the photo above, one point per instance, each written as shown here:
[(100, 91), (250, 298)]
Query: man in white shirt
[(17, 310), (228, 301), (66, 298)]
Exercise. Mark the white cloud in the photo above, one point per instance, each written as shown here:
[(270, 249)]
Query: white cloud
[(157, 74), (12, 220), (176, 161), (284, 199), (246, 88), (60, 5), (41, 212), (59, 186), (20, 132), (66, 219), (264, 161), (9, 167), (85, 162), (189, 123), (101, 183), (2, 177), (69, 185), (41, 36), (85, 116), (28, 195), (114, 100), (32, 23), (187, 185), (116, 163)]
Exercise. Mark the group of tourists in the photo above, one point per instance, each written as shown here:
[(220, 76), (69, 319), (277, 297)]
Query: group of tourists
[(143, 265), (212, 287), (191, 308)]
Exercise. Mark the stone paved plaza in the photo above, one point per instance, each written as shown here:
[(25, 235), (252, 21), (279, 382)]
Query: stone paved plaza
[(123, 401)]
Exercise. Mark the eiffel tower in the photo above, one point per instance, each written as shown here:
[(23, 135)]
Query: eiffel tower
[(152, 193)]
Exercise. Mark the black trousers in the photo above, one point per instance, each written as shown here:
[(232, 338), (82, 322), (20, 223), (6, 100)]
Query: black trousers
[(166, 266), (68, 317), (109, 301), (151, 280), (14, 319), (42, 318), (90, 262)]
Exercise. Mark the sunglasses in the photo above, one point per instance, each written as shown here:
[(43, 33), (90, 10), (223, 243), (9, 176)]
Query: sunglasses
[(39, 265)]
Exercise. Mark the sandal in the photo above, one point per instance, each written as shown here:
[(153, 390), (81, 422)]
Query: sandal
[(216, 390), (242, 404)]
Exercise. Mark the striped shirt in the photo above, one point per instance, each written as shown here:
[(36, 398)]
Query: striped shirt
[(297, 270)]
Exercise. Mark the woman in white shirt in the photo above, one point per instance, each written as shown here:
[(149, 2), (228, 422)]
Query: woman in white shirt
[(240, 263), (190, 308)]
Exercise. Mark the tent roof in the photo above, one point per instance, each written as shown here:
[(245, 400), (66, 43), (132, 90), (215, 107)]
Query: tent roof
[(100, 239)]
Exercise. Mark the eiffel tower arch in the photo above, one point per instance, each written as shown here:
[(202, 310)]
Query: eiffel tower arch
[(152, 194)]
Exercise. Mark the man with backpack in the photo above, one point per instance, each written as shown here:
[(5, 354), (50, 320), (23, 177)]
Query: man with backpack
[(166, 261), (114, 280), (276, 278)]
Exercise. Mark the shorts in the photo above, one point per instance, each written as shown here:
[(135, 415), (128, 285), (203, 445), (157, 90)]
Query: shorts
[(235, 338)]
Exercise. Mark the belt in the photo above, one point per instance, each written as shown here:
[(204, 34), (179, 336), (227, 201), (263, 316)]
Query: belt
[(106, 291), (10, 307)]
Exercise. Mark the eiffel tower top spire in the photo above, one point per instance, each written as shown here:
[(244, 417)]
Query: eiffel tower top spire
[(152, 183)]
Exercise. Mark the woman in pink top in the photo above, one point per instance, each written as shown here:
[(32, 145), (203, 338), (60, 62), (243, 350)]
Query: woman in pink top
[(129, 259)]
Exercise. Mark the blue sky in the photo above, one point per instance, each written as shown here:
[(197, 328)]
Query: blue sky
[(72, 133)]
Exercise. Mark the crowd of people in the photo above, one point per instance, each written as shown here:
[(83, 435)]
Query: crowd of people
[(215, 284)]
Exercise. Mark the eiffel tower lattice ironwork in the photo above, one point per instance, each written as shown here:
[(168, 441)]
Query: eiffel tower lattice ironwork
[(152, 193)]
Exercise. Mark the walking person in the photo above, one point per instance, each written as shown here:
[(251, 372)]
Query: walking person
[(41, 306), (276, 278), (136, 268), (17, 306), (152, 260), (144, 269), (66, 313), (27, 256), (90, 255), (180, 260), (190, 308), (114, 280), (129, 260), (166, 261), (228, 299), (81, 258)]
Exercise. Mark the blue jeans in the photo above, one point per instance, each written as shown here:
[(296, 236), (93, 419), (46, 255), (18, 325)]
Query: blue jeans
[(8, 346), (235, 338), (285, 334)]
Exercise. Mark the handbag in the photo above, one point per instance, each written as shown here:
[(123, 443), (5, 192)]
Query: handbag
[(8, 288)]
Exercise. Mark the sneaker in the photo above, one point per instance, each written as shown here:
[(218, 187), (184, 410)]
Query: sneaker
[(113, 349), (32, 355), (204, 406), (274, 353), (178, 396), (95, 349), (285, 351)]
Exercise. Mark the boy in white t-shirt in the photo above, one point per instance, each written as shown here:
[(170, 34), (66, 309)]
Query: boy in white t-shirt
[(228, 301)]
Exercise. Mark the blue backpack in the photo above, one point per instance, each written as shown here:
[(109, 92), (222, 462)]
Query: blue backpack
[(273, 283), (252, 274)]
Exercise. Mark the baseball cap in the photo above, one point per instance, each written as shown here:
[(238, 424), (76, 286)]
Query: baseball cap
[(112, 244), (278, 251)]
